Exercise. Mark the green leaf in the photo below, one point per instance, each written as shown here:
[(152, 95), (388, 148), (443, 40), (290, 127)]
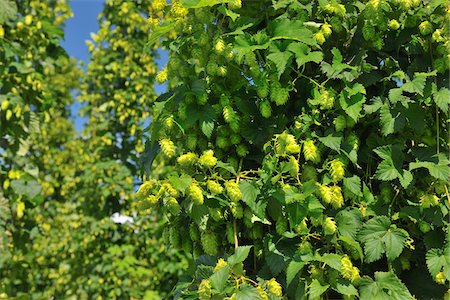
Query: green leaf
[(292, 30), (417, 85), (386, 286), (386, 171), (8, 10), (226, 166), (303, 54), (180, 183), (353, 245), (281, 59), (247, 292), (228, 13), (240, 254), (331, 259), (316, 289), (159, 31), (349, 222), (387, 120), (219, 279), (353, 184), (29, 188), (437, 165), (438, 260), (379, 237), (249, 191), (346, 289), (208, 127), (333, 142), (293, 269), (352, 100), (442, 99)]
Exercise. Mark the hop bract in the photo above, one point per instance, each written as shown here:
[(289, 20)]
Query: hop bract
[(310, 151), (207, 159), (337, 170), (167, 147), (274, 288), (204, 290), (233, 191), (195, 194)]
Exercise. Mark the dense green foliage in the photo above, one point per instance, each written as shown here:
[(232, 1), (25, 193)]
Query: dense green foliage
[(300, 152), (314, 132)]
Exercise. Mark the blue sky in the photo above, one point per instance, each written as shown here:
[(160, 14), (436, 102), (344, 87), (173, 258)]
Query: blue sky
[(78, 29)]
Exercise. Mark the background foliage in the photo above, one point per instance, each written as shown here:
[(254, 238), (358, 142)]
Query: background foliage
[(301, 151)]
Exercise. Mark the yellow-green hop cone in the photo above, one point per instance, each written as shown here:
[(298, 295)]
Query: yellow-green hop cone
[(194, 234), (162, 76), (326, 193), (294, 166), (425, 28), (145, 189), (242, 150), (209, 243), (204, 290), (196, 194), (319, 37), (207, 159), (340, 123), (337, 200), (440, 278), (265, 109), (219, 47), (274, 288), (394, 24), (348, 271), (428, 200), (236, 210), (329, 226), (221, 263), (170, 190), (337, 170), (233, 191), (214, 187), (167, 147), (235, 4), (262, 293), (187, 159), (326, 29), (173, 206), (310, 151), (215, 213)]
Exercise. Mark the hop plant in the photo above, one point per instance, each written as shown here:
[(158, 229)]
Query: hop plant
[(262, 293), (187, 159), (274, 288), (196, 194), (145, 190), (428, 200), (326, 193), (212, 68), (310, 151), (222, 71), (319, 37), (207, 159), (281, 225), (294, 166), (235, 4), (279, 95), (167, 147), (393, 24), (209, 243), (214, 187), (162, 76), (337, 170), (173, 206), (233, 191), (194, 234), (219, 47), (221, 263), (230, 233), (348, 271), (215, 213), (242, 150), (174, 237), (262, 89), (329, 226), (425, 28), (204, 290), (326, 29), (236, 210), (265, 109), (337, 199), (326, 99), (440, 278)]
